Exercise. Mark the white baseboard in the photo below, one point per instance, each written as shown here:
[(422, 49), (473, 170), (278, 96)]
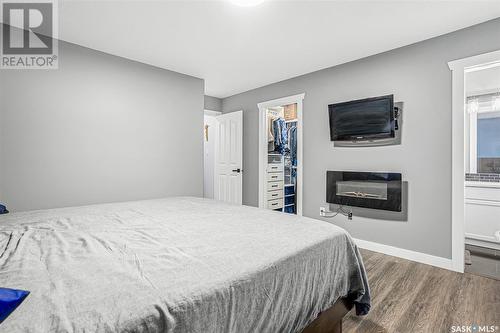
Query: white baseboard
[(405, 254)]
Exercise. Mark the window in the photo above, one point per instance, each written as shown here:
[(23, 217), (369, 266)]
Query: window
[(484, 111)]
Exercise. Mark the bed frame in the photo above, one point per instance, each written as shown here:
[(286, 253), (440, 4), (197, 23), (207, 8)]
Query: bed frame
[(330, 321)]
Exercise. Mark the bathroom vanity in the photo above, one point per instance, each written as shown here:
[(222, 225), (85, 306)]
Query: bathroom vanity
[(482, 214)]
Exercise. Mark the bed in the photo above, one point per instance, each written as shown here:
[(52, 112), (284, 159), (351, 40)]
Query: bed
[(178, 265)]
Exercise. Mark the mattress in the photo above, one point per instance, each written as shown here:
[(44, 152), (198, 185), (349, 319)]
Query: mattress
[(175, 265)]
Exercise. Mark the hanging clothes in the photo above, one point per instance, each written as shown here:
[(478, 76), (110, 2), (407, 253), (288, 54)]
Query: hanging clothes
[(270, 134), (293, 144), (289, 130), (276, 133), (284, 136), (280, 135)]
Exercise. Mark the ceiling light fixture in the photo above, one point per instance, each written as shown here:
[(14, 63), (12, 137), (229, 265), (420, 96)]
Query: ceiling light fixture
[(247, 3)]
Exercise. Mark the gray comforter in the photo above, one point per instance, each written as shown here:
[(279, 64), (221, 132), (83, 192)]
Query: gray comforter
[(175, 265)]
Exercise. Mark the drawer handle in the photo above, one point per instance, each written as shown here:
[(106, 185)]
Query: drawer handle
[(274, 176), (274, 204)]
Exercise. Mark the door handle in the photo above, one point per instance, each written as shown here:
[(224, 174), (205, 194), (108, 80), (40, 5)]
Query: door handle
[(237, 170)]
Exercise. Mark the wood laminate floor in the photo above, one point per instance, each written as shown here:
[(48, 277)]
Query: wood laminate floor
[(483, 262), (412, 297)]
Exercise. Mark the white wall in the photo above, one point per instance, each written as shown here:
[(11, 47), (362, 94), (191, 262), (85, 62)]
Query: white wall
[(99, 129)]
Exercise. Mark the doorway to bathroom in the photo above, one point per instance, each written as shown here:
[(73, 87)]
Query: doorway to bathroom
[(476, 165), (482, 176)]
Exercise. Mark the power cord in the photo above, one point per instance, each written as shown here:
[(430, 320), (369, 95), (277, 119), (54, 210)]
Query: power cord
[(340, 210), (397, 113)]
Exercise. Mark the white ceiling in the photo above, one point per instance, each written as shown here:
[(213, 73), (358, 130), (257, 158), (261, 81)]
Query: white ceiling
[(236, 49)]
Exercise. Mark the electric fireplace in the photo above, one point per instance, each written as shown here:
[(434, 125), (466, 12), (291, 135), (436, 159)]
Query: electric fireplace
[(376, 190)]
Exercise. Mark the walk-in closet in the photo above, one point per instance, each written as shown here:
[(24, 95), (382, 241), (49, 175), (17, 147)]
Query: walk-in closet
[(281, 171)]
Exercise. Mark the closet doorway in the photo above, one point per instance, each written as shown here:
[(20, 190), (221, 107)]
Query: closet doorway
[(280, 154)]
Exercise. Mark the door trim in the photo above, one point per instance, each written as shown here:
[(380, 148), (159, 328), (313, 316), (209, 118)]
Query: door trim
[(459, 68), (298, 99), (212, 113)]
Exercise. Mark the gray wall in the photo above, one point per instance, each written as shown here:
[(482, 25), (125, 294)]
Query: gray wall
[(417, 75), (213, 103), (99, 129)]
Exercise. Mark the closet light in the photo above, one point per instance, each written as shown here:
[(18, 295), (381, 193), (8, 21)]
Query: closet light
[(247, 3)]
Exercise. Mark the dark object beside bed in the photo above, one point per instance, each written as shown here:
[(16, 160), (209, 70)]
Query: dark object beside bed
[(330, 321), (3, 209)]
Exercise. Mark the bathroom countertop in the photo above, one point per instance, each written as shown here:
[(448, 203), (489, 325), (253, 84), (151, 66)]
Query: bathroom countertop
[(482, 184)]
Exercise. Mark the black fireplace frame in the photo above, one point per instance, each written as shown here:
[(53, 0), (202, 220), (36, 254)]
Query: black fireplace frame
[(394, 189)]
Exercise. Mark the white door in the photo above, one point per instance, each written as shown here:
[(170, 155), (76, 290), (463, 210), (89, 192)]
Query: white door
[(228, 182)]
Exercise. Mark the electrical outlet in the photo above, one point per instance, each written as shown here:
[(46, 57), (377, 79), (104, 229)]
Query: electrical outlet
[(322, 211)]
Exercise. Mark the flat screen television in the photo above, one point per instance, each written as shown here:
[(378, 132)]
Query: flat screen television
[(364, 119)]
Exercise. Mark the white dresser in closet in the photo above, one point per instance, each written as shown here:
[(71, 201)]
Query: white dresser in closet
[(275, 181)]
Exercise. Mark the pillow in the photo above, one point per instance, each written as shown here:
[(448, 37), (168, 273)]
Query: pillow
[(10, 300)]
